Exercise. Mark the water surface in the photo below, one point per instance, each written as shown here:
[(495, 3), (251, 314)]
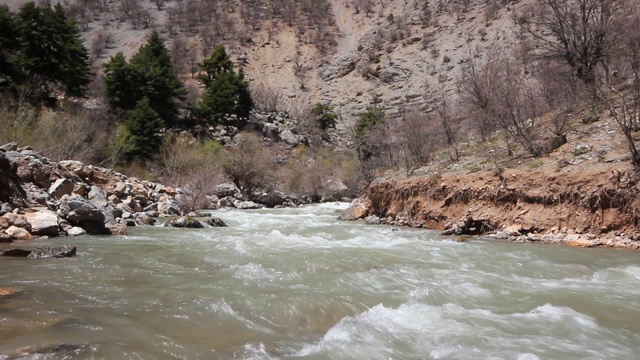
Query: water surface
[(298, 284)]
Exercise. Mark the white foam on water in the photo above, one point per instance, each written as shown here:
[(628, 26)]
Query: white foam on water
[(254, 351)]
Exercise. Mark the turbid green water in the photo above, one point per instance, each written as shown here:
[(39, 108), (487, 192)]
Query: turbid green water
[(298, 284)]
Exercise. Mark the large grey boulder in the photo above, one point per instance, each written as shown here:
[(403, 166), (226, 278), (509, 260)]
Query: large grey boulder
[(44, 222), (98, 198), (61, 187), (271, 199), (77, 209)]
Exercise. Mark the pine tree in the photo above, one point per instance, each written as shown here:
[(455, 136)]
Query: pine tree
[(226, 92), (9, 46), (142, 127), (51, 50), (149, 74)]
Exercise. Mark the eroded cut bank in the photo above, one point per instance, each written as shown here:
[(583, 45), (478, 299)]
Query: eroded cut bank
[(598, 206)]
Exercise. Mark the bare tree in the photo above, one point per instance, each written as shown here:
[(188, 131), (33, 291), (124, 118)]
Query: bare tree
[(300, 70), (581, 32), (624, 107)]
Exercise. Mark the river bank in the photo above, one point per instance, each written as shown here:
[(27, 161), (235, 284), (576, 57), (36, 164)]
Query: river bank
[(595, 207)]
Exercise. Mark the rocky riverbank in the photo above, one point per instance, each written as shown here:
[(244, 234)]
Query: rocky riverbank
[(41, 197), (593, 208)]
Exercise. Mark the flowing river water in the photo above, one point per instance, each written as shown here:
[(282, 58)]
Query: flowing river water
[(298, 284)]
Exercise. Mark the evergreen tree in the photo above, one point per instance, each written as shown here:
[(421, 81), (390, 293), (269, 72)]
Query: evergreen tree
[(142, 129), (9, 46), (118, 83), (226, 92), (149, 74), (325, 116), (51, 50)]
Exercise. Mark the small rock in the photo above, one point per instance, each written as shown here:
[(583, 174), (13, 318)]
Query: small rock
[(213, 221), (248, 205), (76, 231), (372, 220), (7, 291), (18, 233), (184, 222), (118, 229)]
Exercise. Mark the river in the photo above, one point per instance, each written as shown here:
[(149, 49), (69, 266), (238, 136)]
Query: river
[(298, 284)]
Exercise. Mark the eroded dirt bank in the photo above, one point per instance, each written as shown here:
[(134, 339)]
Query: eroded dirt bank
[(597, 206)]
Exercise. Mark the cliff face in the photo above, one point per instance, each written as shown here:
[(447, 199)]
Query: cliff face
[(598, 203)]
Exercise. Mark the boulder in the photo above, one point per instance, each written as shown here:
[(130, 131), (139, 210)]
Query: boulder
[(226, 189), (16, 219), (357, 210), (44, 222), (169, 207), (61, 187), (144, 219), (271, 199), (184, 222), (76, 231), (213, 221), (38, 196), (247, 205), (513, 230), (98, 198), (18, 233), (290, 138), (79, 210)]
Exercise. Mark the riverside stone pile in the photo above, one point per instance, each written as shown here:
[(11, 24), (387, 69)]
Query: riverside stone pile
[(41, 197)]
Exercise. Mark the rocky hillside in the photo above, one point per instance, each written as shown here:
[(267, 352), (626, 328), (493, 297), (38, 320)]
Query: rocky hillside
[(398, 54)]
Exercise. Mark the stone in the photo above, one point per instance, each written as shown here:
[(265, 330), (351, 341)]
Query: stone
[(16, 219), (61, 187), (79, 210), (76, 231), (213, 221), (44, 223), (581, 148), (357, 210), (7, 291), (271, 199), (184, 222), (118, 229), (513, 230), (56, 252), (132, 205), (226, 189), (12, 146), (38, 196), (144, 219), (18, 233), (372, 220), (247, 205), (4, 223), (289, 137), (119, 189)]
